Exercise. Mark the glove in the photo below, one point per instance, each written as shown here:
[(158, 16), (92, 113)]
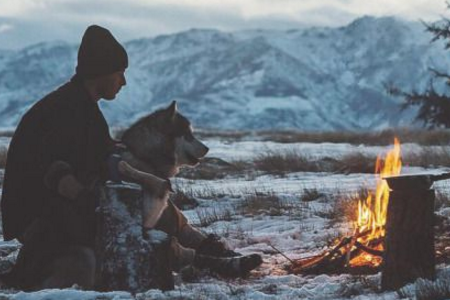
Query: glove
[(60, 178), (113, 168)]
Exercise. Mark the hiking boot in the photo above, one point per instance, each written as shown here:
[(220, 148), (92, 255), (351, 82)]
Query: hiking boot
[(213, 246), (229, 266)]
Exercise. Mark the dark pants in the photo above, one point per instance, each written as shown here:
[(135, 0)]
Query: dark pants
[(172, 220), (49, 237), (175, 224)]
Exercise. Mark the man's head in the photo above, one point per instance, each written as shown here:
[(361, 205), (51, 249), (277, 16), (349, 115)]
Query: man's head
[(102, 61)]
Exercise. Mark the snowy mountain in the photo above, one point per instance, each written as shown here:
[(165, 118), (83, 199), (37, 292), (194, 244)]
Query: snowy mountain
[(310, 79)]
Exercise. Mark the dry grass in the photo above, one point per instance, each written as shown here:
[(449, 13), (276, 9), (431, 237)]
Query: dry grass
[(184, 200), (212, 168), (311, 195), (207, 216), (284, 162), (206, 192), (262, 203), (384, 137), (355, 163), (281, 163), (3, 152), (271, 204), (428, 157), (343, 207), (428, 290), (442, 200)]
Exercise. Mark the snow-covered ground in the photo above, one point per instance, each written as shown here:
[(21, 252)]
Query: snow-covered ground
[(296, 227)]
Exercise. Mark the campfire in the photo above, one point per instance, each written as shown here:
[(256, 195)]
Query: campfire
[(362, 251)]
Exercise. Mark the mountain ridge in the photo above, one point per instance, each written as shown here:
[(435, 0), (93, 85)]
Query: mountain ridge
[(307, 79)]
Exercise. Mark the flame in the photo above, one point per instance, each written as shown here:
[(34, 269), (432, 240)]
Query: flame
[(373, 210)]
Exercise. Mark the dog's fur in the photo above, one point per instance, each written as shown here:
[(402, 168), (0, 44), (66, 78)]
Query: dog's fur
[(160, 144), (155, 196)]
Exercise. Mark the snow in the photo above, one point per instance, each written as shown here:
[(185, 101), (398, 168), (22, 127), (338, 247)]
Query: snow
[(299, 229), (68, 294)]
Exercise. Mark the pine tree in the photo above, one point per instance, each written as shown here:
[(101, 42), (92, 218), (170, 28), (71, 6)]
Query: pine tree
[(434, 107)]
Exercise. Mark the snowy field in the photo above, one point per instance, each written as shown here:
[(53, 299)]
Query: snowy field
[(254, 213)]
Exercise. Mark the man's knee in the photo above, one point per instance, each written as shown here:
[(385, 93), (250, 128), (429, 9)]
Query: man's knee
[(77, 266)]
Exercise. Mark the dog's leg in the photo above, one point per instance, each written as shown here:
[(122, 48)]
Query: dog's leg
[(155, 196), (152, 183), (152, 209)]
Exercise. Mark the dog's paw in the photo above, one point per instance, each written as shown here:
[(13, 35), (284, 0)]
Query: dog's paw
[(150, 182)]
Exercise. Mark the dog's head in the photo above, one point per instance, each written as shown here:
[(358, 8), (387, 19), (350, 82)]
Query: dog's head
[(188, 149), (165, 138)]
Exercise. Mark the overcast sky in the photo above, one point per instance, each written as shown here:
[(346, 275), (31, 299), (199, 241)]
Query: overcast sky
[(25, 22)]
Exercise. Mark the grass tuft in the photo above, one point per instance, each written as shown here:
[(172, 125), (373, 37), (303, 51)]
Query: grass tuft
[(284, 162), (207, 216)]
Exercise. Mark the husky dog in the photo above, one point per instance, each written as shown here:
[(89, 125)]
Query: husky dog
[(159, 145), (156, 147)]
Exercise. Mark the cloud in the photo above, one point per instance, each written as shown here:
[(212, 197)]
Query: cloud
[(5, 28), (128, 19)]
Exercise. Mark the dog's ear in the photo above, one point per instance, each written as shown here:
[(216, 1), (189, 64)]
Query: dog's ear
[(172, 109)]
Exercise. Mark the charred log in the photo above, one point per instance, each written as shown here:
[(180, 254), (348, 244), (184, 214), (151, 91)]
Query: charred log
[(409, 245)]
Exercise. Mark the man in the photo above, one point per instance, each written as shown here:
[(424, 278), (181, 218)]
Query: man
[(56, 157)]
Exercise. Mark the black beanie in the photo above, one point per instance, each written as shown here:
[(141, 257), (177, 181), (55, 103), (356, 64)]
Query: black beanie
[(100, 54)]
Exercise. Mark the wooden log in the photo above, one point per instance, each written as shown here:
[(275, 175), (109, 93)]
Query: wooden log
[(409, 244), (128, 258), (369, 250), (335, 261), (332, 261)]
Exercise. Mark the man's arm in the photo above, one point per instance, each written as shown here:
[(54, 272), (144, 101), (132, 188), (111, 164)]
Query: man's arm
[(58, 148)]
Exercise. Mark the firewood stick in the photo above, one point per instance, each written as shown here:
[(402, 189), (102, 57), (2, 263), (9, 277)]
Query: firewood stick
[(327, 257), (291, 261), (341, 244), (369, 250), (309, 257), (349, 247), (366, 232)]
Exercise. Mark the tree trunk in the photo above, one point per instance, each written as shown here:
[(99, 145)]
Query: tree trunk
[(409, 244), (128, 258)]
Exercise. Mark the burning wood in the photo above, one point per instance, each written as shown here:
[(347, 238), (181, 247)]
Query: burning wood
[(362, 252)]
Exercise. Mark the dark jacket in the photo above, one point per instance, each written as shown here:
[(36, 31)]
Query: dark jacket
[(66, 125)]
